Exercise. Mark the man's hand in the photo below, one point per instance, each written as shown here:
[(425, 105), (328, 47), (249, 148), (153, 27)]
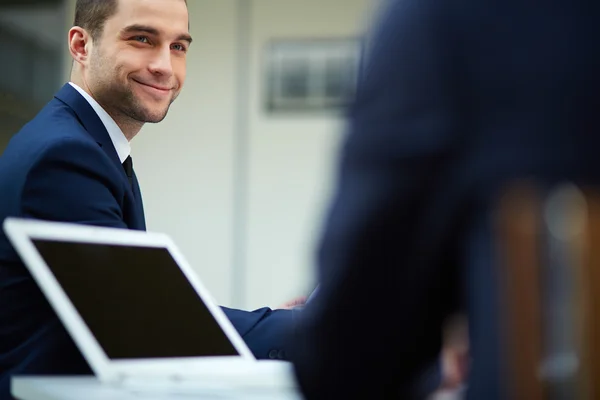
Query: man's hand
[(297, 302), (455, 354)]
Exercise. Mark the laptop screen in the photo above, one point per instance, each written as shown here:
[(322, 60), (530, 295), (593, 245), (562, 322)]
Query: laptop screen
[(136, 301)]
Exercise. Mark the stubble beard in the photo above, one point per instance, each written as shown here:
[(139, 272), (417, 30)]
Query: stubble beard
[(117, 98)]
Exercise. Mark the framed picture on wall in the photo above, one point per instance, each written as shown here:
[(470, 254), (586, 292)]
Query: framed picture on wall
[(311, 74)]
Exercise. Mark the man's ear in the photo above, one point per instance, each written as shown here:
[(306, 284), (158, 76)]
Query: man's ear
[(79, 44)]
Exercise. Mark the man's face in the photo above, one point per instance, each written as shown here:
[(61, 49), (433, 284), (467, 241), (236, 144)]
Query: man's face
[(136, 68)]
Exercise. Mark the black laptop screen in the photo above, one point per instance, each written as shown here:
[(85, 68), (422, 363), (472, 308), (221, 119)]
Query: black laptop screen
[(135, 300)]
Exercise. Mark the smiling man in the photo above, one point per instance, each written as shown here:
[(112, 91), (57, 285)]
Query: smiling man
[(72, 163), (132, 64)]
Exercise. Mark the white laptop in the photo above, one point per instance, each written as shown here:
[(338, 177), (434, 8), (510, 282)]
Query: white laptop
[(136, 310)]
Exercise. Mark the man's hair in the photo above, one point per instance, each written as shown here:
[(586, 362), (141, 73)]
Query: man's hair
[(91, 15)]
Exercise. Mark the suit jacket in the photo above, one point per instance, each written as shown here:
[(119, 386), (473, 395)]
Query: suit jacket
[(62, 166), (457, 100)]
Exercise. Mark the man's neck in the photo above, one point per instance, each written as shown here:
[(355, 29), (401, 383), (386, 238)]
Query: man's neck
[(129, 127)]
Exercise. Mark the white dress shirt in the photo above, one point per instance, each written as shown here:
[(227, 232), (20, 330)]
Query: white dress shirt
[(117, 137)]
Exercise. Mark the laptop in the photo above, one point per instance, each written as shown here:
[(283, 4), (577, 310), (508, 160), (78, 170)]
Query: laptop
[(137, 311)]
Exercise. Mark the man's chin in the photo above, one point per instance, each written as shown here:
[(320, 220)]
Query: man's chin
[(152, 117)]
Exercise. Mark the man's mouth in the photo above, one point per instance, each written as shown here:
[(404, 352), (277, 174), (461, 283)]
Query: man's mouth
[(154, 87)]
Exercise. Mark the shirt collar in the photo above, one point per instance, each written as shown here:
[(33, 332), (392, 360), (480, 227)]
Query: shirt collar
[(117, 137)]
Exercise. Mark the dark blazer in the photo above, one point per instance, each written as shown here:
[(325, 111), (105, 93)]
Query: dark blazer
[(62, 166), (457, 99)]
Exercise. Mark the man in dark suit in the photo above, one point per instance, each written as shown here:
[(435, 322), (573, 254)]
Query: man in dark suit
[(457, 101), (71, 163)]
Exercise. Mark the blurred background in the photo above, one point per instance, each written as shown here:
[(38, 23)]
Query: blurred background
[(256, 127)]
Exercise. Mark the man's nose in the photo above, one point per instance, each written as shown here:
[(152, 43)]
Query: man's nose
[(161, 63)]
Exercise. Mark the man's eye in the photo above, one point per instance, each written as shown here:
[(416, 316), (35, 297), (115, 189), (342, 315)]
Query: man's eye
[(178, 47), (141, 39)]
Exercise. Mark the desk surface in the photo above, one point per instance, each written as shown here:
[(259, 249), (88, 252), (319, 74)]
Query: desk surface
[(89, 388)]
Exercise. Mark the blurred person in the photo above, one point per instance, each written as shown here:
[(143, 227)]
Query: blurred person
[(72, 163), (457, 101), (447, 373)]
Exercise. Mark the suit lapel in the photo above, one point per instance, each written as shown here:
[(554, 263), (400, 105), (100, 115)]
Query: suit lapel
[(138, 202), (94, 126), (91, 122)]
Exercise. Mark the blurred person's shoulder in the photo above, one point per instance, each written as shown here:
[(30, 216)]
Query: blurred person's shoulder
[(399, 20)]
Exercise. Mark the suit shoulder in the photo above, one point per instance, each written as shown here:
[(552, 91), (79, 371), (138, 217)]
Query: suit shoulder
[(55, 126)]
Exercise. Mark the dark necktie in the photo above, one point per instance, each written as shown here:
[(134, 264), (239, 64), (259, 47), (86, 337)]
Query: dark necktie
[(128, 167)]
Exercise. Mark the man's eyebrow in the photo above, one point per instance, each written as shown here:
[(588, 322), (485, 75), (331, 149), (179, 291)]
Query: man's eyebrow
[(153, 31), (140, 28), (185, 37)]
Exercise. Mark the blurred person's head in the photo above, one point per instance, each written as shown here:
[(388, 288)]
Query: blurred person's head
[(130, 56)]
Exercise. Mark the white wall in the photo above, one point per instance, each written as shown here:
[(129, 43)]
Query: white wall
[(185, 163), (291, 158), (240, 191)]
